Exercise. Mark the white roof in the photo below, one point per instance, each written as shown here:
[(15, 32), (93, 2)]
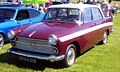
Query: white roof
[(80, 6)]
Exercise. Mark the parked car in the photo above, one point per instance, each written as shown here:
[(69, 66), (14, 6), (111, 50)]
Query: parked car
[(9, 4), (64, 33), (12, 17)]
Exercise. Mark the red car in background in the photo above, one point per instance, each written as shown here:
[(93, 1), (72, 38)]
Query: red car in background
[(65, 32)]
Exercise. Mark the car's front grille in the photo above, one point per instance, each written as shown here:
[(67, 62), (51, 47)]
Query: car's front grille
[(35, 45)]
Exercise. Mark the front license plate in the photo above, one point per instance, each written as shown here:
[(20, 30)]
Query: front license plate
[(31, 60)]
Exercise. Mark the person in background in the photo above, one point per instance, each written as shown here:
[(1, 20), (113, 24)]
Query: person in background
[(41, 9), (105, 8), (79, 2), (43, 5), (110, 7), (45, 9), (115, 5), (89, 2), (98, 3), (95, 2), (50, 3), (20, 3)]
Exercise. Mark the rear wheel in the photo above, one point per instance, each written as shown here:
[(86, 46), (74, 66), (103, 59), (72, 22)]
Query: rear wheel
[(1, 41), (105, 38), (70, 56)]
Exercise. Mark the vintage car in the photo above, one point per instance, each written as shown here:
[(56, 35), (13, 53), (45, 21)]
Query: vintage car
[(12, 17), (65, 32)]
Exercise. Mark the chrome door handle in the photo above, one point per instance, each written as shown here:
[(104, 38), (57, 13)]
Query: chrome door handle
[(30, 20), (19, 22)]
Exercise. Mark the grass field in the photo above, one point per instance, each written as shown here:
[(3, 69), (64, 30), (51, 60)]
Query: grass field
[(101, 58)]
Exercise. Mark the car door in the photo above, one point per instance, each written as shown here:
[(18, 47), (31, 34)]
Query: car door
[(23, 17), (98, 21), (89, 28), (35, 15)]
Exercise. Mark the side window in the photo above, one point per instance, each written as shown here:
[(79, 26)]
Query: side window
[(87, 15), (22, 14), (96, 14), (33, 13)]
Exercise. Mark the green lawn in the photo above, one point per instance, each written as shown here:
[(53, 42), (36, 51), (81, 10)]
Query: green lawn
[(102, 58)]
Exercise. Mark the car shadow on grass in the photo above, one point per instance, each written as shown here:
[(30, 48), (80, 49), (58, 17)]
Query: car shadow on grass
[(12, 59), (41, 65), (87, 50)]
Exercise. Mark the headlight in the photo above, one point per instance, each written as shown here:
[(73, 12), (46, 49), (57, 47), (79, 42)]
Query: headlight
[(11, 34), (52, 39)]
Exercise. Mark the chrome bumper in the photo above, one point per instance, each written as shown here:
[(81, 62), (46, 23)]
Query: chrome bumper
[(52, 58)]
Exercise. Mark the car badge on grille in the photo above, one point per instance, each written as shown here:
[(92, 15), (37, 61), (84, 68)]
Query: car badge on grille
[(32, 33)]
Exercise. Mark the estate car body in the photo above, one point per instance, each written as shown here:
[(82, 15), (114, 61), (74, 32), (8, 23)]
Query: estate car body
[(12, 17), (65, 32)]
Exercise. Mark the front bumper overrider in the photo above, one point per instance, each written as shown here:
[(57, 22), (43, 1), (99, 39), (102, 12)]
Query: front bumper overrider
[(52, 58)]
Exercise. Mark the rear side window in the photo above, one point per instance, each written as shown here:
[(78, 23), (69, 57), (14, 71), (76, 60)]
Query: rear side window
[(87, 15), (33, 13), (96, 14), (22, 14)]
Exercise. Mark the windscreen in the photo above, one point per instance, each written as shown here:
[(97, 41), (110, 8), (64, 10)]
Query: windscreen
[(62, 14)]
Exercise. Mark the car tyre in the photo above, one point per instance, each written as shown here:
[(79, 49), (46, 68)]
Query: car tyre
[(70, 56), (1, 41), (105, 38)]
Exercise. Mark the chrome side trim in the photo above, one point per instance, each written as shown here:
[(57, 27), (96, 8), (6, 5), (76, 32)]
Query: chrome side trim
[(52, 58), (83, 32)]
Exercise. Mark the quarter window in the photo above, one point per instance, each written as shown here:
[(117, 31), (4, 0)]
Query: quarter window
[(33, 13), (96, 14), (87, 15)]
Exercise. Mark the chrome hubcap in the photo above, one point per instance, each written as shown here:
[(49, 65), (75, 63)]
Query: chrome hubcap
[(71, 56), (105, 38)]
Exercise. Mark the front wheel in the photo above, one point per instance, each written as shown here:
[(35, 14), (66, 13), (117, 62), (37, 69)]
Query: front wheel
[(70, 56), (1, 41)]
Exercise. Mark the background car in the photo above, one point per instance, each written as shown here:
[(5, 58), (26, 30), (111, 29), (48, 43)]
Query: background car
[(65, 32), (12, 17), (9, 4)]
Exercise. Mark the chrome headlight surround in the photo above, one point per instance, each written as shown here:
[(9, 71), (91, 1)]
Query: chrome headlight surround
[(11, 34), (52, 40)]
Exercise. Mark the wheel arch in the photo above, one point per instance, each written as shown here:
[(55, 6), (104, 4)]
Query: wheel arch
[(2, 34), (107, 31), (77, 48)]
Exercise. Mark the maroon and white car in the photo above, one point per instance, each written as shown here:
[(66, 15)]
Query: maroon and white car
[(65, 32)]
